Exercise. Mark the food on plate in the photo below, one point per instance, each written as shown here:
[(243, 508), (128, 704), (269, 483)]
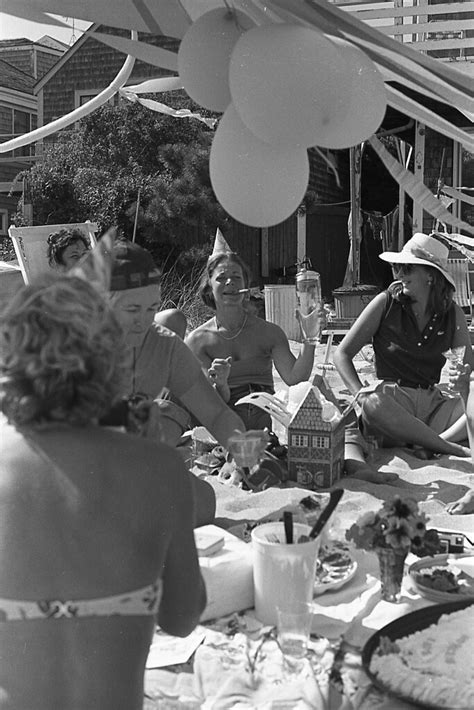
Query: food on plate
[(335, 566), (441, 579), (444, 577), (435, 665)]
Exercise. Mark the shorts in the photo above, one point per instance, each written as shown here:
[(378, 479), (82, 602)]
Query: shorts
[(436, 408), (253, 417)]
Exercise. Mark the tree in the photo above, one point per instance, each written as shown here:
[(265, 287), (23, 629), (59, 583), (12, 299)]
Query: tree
[(98, 170)]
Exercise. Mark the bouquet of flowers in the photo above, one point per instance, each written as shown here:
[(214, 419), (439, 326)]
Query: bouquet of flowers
[(399, 525)]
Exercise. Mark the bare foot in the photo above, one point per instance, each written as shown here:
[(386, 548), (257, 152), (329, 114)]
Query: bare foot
[(463, 451), (464, 505), (420, 453), (363, 472), (454, 450)]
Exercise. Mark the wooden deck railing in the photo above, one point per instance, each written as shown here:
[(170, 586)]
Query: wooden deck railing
[(443, 29)]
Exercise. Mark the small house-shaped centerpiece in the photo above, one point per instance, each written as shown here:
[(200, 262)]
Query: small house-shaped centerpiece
[(315, 445)]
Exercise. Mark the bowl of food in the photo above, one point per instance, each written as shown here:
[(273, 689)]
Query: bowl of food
[(444, 578)]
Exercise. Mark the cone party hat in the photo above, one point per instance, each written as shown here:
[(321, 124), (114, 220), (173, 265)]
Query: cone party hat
[(220, 244)]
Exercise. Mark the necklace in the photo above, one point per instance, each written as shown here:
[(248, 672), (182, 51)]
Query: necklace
[(231, 337)]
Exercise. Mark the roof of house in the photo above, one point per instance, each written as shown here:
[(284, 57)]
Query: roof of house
[(13, 78), (45, 41)]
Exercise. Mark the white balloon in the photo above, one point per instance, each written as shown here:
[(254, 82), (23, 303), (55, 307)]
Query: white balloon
[(288, 82), (204, 54), (256, 183), (367, 101)]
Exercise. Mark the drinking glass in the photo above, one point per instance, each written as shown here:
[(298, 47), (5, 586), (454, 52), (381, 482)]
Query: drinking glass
[(294, 628), (456, 358)]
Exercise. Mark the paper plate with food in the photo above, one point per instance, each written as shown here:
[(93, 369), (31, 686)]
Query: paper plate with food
[(444, 578), (335, 567)]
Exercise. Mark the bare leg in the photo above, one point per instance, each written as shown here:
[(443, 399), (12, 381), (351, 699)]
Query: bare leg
[(465, 504), (457, 431), (385, 415), (470, 414), (356, 466)]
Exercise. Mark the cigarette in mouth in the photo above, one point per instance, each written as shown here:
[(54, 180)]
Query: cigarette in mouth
[(243, 290)]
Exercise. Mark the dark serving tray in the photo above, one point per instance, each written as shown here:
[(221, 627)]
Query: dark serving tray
[(408, 624)]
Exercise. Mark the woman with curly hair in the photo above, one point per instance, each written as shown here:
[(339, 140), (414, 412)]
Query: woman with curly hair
[(411, 326), (66, 248), (96, 525)]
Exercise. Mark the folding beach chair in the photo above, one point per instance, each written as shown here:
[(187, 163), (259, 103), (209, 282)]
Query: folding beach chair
[(459, 270), (31, 245)]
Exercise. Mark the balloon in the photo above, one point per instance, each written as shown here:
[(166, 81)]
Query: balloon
[(256, 183), (288, 82), (204, 53), (367, 101)]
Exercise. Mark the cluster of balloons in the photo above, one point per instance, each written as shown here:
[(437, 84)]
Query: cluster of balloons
[(282, 88)]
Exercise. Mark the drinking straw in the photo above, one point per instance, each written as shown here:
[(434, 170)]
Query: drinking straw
[(288, 524), (334, 499)]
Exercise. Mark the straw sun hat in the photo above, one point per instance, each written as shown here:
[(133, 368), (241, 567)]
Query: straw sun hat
[(424, 250)]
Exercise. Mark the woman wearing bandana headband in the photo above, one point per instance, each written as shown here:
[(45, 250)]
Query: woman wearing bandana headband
[(411, 325)]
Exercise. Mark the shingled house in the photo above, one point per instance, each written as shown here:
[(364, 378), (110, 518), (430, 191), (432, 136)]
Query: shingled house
[(22, 63)]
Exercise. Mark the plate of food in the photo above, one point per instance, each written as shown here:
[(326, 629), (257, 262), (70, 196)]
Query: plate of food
[(425, 658), (335, 567), (444, 578)]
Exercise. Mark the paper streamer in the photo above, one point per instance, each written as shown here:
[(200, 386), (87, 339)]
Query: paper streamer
[(458, 195), (24, 9), (322, 14), (412, 108), (163, 108), (156, 86), (464, 244), (167, 17), (416, 188)]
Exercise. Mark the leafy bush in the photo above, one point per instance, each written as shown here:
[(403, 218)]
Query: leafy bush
[(180, 285)]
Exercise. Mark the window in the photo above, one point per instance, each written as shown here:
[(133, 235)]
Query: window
[(15, 122), (320, 442), (3, 223), (299, 440), (82, 96)]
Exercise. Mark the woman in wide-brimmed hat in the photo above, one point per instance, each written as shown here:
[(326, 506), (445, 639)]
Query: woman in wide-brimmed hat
[(411, 325)]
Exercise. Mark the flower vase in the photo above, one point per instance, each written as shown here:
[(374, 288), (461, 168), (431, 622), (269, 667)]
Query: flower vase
[(391, 563)]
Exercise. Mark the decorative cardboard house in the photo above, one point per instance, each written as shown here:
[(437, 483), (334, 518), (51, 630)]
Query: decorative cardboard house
[(315, 446)]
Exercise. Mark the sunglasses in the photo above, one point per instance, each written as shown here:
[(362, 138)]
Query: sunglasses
[(403, 269)]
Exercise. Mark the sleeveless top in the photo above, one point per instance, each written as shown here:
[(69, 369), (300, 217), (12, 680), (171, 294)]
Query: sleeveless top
[(406, 355)]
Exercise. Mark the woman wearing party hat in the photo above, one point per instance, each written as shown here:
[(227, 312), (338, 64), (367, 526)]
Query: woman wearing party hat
[(237, 348), (414, 326)]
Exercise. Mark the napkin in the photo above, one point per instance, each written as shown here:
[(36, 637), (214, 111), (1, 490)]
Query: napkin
[(223, 677), (335, 611), (465, 564)]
